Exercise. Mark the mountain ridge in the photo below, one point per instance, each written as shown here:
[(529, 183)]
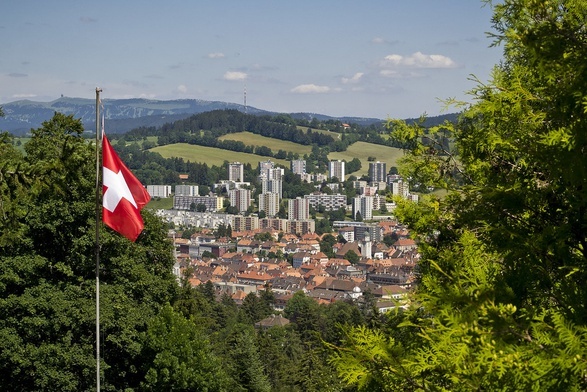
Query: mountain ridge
[(122, 115)]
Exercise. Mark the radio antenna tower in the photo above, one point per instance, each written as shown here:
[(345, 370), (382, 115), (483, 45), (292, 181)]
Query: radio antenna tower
[(245, 99)]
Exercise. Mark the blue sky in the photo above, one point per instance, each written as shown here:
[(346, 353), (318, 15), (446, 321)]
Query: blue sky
[(375, 58)]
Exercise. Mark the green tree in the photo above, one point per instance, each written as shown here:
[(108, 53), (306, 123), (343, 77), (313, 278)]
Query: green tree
[(352, 257), (246, 363), (47, 283), (179, 356), (501, 301)]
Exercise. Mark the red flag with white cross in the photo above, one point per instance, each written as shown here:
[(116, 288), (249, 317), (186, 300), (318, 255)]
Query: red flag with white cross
[(123, 195)]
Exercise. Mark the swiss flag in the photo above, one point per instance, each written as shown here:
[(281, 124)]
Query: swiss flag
[(123, 195)]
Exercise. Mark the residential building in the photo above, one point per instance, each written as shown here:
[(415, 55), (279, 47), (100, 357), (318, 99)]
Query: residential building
[(240, 198), (269, 202), (300, 226), (364, 205), (163, 191), (330, 202), (298, 209), (298, 166), (272, 186), (273, 223), (186, 190), (264, 166), (244, 223), (400, 188), (236, 172), (377, 171), (212, 203), (336, 169), (373, 231)]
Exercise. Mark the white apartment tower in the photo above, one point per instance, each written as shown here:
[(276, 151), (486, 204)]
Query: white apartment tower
[(298, 209), (236, 172), (272, 180), (400, 188), (298, 166), (269, 202), (336, 169), (364, 205)]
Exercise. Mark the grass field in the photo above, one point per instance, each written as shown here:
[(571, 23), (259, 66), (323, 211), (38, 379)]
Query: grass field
[(251, 139), (363, 151), (211, 155), (160, 204)]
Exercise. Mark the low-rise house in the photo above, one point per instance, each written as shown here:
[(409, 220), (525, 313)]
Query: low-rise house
[(272, 321), (300, 258)]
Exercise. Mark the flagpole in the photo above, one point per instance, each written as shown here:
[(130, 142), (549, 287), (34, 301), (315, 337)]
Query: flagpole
[(97, 245)]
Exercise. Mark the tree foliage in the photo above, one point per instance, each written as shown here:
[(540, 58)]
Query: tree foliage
[(501, 301)]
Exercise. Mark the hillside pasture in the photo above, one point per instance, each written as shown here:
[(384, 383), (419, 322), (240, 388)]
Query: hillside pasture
[(211, 155), (363, 151), (252, 139)]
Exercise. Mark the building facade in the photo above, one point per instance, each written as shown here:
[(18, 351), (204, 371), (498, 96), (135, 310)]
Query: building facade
[(330, 202), (212, 203), (163, 191), (236, 172), (377, 171), (298, 209), (269, 203), (336, 169), (186, 190), (364, 205), (298, 166), (240, 198)]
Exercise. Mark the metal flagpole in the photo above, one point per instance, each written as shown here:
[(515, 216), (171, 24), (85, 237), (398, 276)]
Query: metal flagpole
[(97, 249)]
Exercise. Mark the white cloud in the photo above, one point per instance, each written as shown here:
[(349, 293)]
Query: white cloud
[(378, 40), (310, 89), (182, 89), (419, 60), (354, 79), (215, 55), (234, 75)]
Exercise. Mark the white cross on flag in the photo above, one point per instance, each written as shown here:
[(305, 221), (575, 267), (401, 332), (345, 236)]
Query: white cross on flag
[(123, 195)]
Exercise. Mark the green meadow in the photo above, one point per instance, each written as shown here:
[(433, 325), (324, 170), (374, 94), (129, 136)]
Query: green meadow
[(211, 155), (363, 151)]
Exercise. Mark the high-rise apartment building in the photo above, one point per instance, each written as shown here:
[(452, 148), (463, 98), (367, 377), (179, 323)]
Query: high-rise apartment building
[(298, 166), (336, 169), (364, 205), (269, 202), (236, 172), (377, 171), (240, 198), (298, 209)]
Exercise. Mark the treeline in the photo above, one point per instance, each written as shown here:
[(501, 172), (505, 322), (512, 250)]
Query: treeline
[(205, 129)]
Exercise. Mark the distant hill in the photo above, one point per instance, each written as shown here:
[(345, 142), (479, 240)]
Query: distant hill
[(125, 114)]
